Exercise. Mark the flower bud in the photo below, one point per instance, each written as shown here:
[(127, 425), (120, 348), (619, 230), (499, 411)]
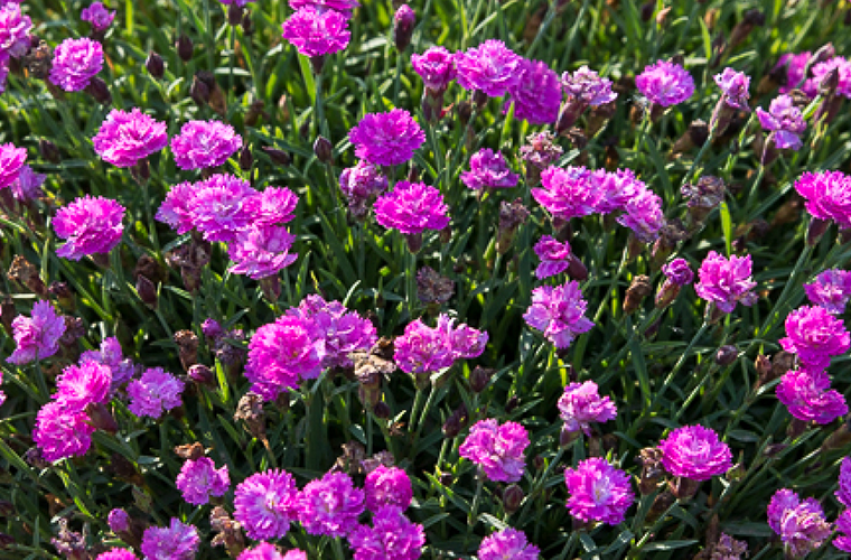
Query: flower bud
[(199, 92), (247, 24), (184, 48), (816, 230), (49, 151), (511, 404), (726, 355), (381, 410), (101, 418), (187, 346), (480, 378), (147, 291), (98, 89), (403, 27), (456, 422), (279, 157), (323, 150), (234, 14), (650, 459), (155, 65), (246, 158), (683, 488), (511, 216), (637, 291), (271, 287), (201, 374), (512, 497)]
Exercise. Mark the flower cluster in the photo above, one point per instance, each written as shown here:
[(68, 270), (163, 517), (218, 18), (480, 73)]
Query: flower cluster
[(726, 282), (199, 479), (14, 32), (203, 144), (126, 138), (806, 393), (110, 355), (423, 350), (387, 486), (734, 86), (815, 335), (497, 449), (537, 94), (598, 492), (436, 67), (412, 208), (559, 313), (581, 404), (360, 185), (28, 184), (800, 524), (796, 78), (266, 551), (12, 161)]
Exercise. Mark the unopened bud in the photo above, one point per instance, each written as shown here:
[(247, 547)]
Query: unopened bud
[(246, 158), (816, 230), (201, 374), (403, 26), (184, 48), (247, 24), (323, 149), (480, 378), (147, 291), (512, 497), (49, 151), (381, 410), (98, 89), (101, 418), (726, 355), (199, 92), (279, 157), (155, 65), (234, 14)]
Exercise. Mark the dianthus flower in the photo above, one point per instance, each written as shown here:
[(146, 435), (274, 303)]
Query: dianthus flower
[(261, 251), (843, 70), (14, 31), (567, 193), (37, 337), (266, 551), (616, 189), (266, 503), (156, 392), (537, 94), (61, 431), (330, 505), (489, 170), (75, 63), (554, 256), (387, 138), (387, 486), (587, 87), (806, 393), (843, 527), (828, 196), (498, 450), (784, 121), (815, 335), (796, 65), (11, 163), (283, 353), (726, 282), (220, 207), (343, 6), (734, 87), (644, 216), (317, 32), (559, 313), (98, 16), (581, 404), (203, 144), (118, 520), (541, 151), (665, 83), (695, 453), (831, 290), (412, 208), (678, 272), (491, 68), (78, 386), (508, 543), (178, 541), (598, 492), (110, 355), (125, 138), (800, 524), (272, 206), (28, 184), (360, 185), (117, 554), (843, 494), (175, 209), (423, 350), (391, 537), (89, 225), (436, 67), (199, 479), (728, 548)]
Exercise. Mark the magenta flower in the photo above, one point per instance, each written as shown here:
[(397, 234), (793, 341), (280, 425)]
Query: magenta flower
[(317, 32), (843, 527), (554, 256), (14, 31), (806, 393), (175, 209), (11, 163), (97, 15), (261, 251), (78, 386), (508, 543), (644, 216), (843, 70), (537, 94), (598, 492), (361, 185), (391, 537), (800, 524), (266, 503), (266, 551), (559, 313), (436, 67), (491, 68), (28, 184), (343, 6), (616, 189), (273, 206), (665, 83), (202, 144), (36, 337), (581, 404), (199, 479), (89, 225), (221, 207), (726, 282), (844, 492), (178, 541), (118, 520), (61, 432), (422, 350), (412, 208), (489, 170), (828, 196), (796, 66), (831, 290), (75, 63), (678, 272), (588, 88), (387, 486), (784, 121), (110, 355), (567, 193), (283, 353), (815, 335), (330, 505), (734, 86), (387, 138), (126, 138), (157, 391), (117, 554), (695, 453), (498, 450)]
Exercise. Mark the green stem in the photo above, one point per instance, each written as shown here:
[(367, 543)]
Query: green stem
[(473, 517)]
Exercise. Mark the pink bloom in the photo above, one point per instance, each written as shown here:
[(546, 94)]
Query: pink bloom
[(391, 537), (843, 70), (14, 31), (387, 486), (273, 206), (425, 350), (598, 492), (283, 353), (488, 169), (317, 32), (118, 520), (360, 185), (98, 16), (800, 524), (89, 225), (678, 272), (436, 67), (554, 256), (734, 85), (260, 252), (117, 554), (412, 208), (266, 503), (11, 163), (616, 189), (343, 6), (843, 527), (665, 83), (498, 450), (266, 551), (785, 121), (221, 207), (796, 65), (110, 355), (587, 87), (644, 216), (567, 193), (806, 393), (75, 63), (581, 404), (178, 541), (726, 282), (537, 94), (175, 209), (37, 337), (330, 505), (491, 68), (828, 196), (696, 453), (126, 138), (815, 335), (559, 313), (508, 543), (28, 184), (387, 138), (61, 431), (78, 386), (199, 479), (844, 492), (830, 290), (156, 392), (202, 144)]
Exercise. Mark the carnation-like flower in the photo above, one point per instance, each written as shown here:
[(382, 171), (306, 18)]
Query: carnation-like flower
[(843, 527), (125, 138), (567, 193), (559, 313), (830, 290), (98, 16), (178, 541), (843, 72), (489, 170), (61, 431), (554, 256), (734, 85), (412, 208), (436, 67), (785, 121), (75, 63), (78, 386), (175, 209), (110, 355), (581, 404), (281, 354), (220, 207), (796, 66), (665, 83), (828, 196), (422, 349), (317, 32), (361, 184), (330, 505), (498, 450), (199, 479), (12, 161), (387, 486), (491, 68), (36, 337), (14, 31), (598, 491), (695, 453), (537, 94), (266, 503), (89, 225), (800, 524), (541, 151), (118, 520), (726, 282), (343, 6), (815, 335), (508, 543), (28, 184), (202, 144), (678, 272), (588, 88), (387, 138), (261, 251), (843, 494), (266, 551), (616, 189), (157, 391), (117, 554), (273, 206), (644, 216), (806, 393), (391, 537)]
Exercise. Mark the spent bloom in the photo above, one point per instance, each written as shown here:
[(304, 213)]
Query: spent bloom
[(828, 196), (587, 87), (78, 386), (695, 453), (37, 337), (89, 225), (581, 404), (14, 31), (491, 68), (28, 184), (796, 66), (815, 335), (391, 537), (220, 207), (843, 494), (843, 527), (726, 282), (559, 313), (387, 486), (125, 138), (98, 16), (330, 505), (785, 121), (261, 251), (412, 208), (436, 67), (598, 491), (317, 32), (643, 215), (508, 543), (157, 391), (489, 170), (537, 94), (387, 138), (360, 185), (281, 354), (806, 393), (12, 161), (800, 524), (199, 479), (61, 431), (567, 193), (665, 83), (75, 63), (554, 256), (831, 290), (678, 272), (202, 144), (422, 349), (734, 86), (265, 504), (498, 450), (178, 541)]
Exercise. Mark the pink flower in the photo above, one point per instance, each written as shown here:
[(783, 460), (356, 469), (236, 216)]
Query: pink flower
[(175, 209), (785, 121), (695, 453), (117, 554), (588, 88), (199, 479), (343, 6), (828, 196), (391, 537), (554, 256), (98, 16), (843, 70), (261, 251), (89, 225), (844, 492), (806, 393), (559, 313), (178, 541), (616, 189), (220, 207), (815, 335), (800, 524), (567, 193), (796, 65), (317, 32), (273, 206), (508, 543), (11, 163), (78, 386), (843, 527), (266, 551), (598, 492), (665, 83), (75, 63), (61, 431), (37, 337), (537, 94), (330, 505), (488, 169), (726, 282), (644, 216), (156, 392), (28, 184), (422, 349), (412, 208), (498, 450), (387, 486), (734, 86), (387, 138), (491, 68), (266, 503), (14, 31), (581, 404), (118, 520), (126, 138), (202, 144), (678, 272), (436, 67), (830, 290), (110, 355), (360, 185), (283, 353)]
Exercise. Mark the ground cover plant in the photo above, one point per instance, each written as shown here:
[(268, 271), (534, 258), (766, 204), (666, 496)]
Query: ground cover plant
[(451, 279)]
